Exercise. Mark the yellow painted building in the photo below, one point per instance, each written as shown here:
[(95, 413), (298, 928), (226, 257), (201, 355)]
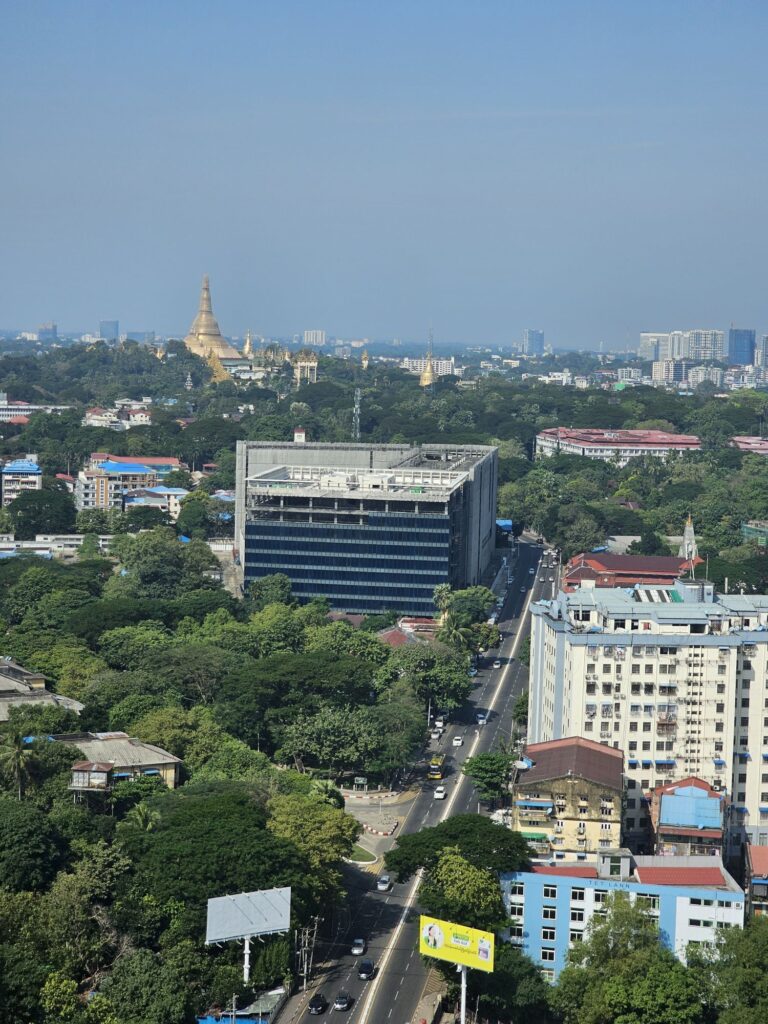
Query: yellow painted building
[(568, 801)]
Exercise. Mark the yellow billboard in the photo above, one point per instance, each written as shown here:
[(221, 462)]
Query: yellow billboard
[(445, 940)]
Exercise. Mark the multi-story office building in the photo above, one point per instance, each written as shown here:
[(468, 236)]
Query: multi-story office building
[(691, 898), (106, 486), (370, 527), (673, 676), (618, 446), (568, 799), (669, 371), (314, 338), (652, 345), (741, 346), (706, 346), (21, 475), (109, 330), (533, 342)]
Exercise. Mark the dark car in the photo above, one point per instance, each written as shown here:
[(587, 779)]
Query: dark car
[(318, 1003), (365, 969), (343, 1000)]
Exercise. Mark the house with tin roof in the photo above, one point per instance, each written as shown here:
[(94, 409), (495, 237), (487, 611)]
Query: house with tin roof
[(689, 817), (21, 688), (110, 757)]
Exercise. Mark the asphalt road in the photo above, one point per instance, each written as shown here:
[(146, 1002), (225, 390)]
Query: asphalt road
[(389, 921)]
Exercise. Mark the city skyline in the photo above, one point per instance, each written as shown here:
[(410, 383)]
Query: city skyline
[(541, 166)]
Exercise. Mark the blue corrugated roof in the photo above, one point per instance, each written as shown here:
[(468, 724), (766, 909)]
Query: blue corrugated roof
[(124, 467), (691, 811), (21, 466)]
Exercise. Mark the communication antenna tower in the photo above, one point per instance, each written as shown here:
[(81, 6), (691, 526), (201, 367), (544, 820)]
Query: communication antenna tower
[(356, 416)]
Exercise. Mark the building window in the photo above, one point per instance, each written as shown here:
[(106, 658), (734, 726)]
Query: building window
[(550, 892), (548, 974), (516, 889), (515, 931), (630, 822), (577, 895), (575, 936), (577, 915), (547, 954), (547, 934), (549, 913), (516, 910)]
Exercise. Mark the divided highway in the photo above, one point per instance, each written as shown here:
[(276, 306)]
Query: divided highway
[(389, 921)]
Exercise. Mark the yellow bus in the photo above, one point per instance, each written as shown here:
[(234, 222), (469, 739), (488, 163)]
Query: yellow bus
[(436, 767)]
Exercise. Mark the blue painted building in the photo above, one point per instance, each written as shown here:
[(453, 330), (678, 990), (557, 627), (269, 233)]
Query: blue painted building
[(550, 907)]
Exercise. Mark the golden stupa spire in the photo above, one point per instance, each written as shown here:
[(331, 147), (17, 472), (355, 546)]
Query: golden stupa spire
[(248, 346), (427, 378), (204, 336)]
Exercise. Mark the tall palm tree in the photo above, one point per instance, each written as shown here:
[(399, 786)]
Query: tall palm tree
[(459, 637), (143, 817), (15, 757), (326, 792)]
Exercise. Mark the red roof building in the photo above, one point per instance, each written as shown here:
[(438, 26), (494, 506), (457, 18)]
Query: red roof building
[(601, 569), (617, 446)]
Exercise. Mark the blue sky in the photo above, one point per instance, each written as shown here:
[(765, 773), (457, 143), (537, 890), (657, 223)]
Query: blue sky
[(593, 169)]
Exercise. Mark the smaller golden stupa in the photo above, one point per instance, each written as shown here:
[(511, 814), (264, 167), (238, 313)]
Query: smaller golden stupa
[(428, 376)]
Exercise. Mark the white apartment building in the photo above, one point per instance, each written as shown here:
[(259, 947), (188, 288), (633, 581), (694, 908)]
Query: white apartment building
[(441, 367), (676, 677), (669, 371), (314, 338), (700, 374)]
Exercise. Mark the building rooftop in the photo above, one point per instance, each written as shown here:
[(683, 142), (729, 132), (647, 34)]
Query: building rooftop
[(116, 468), (401, 471), (575, 756), (758, 861), (694, 871), (624, 438), (117, 748), (681, 876), (150, 460), (756, 445), (21, 466)]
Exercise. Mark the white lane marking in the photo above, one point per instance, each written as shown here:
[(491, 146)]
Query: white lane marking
[(412, 892)]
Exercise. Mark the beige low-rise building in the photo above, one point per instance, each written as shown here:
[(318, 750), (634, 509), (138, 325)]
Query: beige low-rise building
[(112, 757), (567, 801)]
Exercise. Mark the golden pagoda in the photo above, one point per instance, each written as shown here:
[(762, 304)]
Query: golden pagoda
[(219, 373), (248, 346), (365, 359), (428, 376), (205, 338)]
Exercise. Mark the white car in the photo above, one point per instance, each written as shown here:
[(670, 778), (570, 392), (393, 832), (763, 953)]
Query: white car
[(497, 664), (458, 741), (358, 947), (531, 572), (383, 883), (481, 717), (439, 793), (436, 734)]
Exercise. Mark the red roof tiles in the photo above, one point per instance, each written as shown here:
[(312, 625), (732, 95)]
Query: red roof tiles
[(681, 876)]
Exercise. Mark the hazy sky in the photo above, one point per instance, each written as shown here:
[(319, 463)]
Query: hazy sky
[(593, 169)]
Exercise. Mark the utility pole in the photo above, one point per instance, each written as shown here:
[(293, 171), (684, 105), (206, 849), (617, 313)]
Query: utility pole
[(305, 951)]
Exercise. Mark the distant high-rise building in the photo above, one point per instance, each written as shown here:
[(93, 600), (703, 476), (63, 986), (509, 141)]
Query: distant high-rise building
[(669, 371), (741, 346), (761, 351), (651, 345), (706, 345), (109, 330), (314, 338), (47, 332), (533, 342)]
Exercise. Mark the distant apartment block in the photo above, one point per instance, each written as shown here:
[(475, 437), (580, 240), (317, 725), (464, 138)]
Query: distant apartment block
[(757, 880), (672, 676), (669, 371), (705, 374), (48, 332), (617, 446), (105, 486), (164, 499), (533, 342), (316, 338), (370, 527), (440, 367), (551, 907), (651, 345), (698, 345), (20, 475)]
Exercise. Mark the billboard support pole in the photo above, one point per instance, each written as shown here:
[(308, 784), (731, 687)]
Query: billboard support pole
[(463, 995), (247, 960)]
